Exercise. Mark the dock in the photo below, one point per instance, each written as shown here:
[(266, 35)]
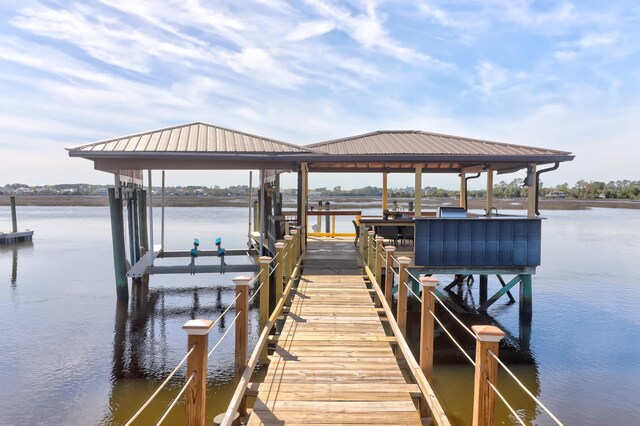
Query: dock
[(16, 237), (333, 362)]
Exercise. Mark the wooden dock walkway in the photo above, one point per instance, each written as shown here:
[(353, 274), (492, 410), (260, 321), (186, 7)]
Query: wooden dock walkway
[(333, 362)]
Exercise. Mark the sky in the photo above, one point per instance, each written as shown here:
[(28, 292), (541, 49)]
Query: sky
[(555, 74)]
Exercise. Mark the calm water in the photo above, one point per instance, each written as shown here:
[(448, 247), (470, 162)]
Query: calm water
[(69, 354)]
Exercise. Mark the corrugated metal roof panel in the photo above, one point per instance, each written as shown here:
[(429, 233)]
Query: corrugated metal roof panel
[(194, 137), (422, 143)]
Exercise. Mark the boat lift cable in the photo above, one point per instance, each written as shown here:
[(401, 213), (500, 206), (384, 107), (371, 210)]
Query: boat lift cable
[(504, 401), (173, 403), (471, 333), (524, 388), (229, 327), (452, 339), (162, 385)]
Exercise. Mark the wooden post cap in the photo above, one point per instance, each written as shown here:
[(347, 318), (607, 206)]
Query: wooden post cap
[(293, 231), (241, 280), (488, 333), (379, 238), (429, 281), (371, 232), (197, 327), (404, 260), (280, 246), (288, 237), (390, 248), (264, 259)]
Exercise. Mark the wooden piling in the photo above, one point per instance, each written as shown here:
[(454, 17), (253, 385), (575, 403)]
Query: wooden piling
[(370, 248), (264, 300), (279, 285), (242, 334), (117, 238), (196, 393), (14, 216), (486, 372), (388, 276), (136, 225)]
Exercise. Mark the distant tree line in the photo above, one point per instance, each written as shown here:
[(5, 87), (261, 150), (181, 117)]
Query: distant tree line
[(620, 189)]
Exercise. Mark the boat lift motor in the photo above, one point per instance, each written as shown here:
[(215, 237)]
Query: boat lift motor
[(194, 253)]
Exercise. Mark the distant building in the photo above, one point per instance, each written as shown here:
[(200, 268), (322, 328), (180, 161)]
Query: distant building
[(558, 194), (23, 191), (102, 191)]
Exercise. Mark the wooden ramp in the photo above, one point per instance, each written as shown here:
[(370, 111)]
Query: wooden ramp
[(333, 362)]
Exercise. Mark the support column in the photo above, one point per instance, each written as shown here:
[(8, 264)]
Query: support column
[(196, 393), (280, 268), (371, 255), (162, 216), (484, 399), (305, 223), (151, 219), (463, 191), (428, 285), (385, 194), (403, 279), (117, 239), (289, 261), (379, 257), (532, 195), (417, 205), (142, 206), (489, 190), (136, 224), (484, 281)]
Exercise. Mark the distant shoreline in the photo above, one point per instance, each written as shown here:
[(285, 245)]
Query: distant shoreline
[(348, 202)]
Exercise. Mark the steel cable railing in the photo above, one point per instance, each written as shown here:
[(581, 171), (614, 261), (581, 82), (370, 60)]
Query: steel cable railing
[(162, 385), (504, 401), (229, 327), (524, 388), (175, 400)]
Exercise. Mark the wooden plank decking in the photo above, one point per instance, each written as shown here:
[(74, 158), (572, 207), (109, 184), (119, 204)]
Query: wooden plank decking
[(333, 362)]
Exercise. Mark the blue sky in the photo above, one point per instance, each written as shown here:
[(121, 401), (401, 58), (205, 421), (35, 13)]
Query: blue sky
[(557, 74)]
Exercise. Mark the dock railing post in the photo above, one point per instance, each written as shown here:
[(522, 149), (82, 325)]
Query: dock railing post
[(370, 247), (488, 339), (362, 241), (14, 216), (403, 277), (388, 275), (289, 261), (295, 233), (279, 286), (242, 333), (264, 300), (428, 284), (196, 393), (378, 272), (117, 239)]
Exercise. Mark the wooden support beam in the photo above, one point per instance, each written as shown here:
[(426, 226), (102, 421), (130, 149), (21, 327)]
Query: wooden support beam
[(500, 293), (417, 207), (489, 190), (463, 191), (428, 284), (385, 192), (532, 196), (280, 268), (370, 248), (403, 280), (14, 216), (379, 258)]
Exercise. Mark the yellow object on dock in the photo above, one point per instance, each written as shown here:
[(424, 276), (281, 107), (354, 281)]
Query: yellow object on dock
[(333, 362)]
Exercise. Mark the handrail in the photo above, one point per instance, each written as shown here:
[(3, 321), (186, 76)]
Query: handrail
[(241, 388), (437, 412), (175, 400), (524, 388), (162, 385)]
